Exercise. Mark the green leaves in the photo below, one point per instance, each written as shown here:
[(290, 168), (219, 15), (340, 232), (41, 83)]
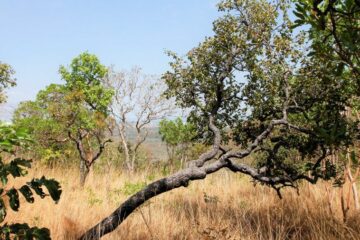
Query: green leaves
[(51, 185), (68, 113), (354, 159), (176, 132), (11, 138), (333, 30), (84, 77), (13, 199), (6, 79), (23, 231), (27, 193), (37, 185), (256, 68), (15, 168)]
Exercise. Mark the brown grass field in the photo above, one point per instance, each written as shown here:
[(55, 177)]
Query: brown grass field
[(223, 206)]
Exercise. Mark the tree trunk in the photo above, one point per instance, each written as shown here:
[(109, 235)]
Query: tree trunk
[(84, 171), (126, 149), (179, 179), (133, 160), (196, 170), (354, 187)]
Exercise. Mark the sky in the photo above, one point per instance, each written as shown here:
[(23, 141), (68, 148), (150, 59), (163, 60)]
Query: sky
[(38, 36)]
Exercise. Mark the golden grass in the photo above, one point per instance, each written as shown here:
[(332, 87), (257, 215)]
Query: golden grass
[(223, 206)]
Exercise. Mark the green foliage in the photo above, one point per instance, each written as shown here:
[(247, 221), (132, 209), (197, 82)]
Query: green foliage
[(6, 79), (175, 132), (24, 231), (49, 112), (256, 68), (84, 77), (10, 139), (334, 32), (334, 37), (178, 137), (93, 198), (131, 188), (69, 114)]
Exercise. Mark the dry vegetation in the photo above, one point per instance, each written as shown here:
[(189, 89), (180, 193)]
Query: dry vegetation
[(223, 206)]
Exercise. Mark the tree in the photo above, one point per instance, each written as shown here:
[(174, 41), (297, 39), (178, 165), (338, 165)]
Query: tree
[(9, 140), (334, 34), (6, 79), (178, 137), (334, 31), (52, 146), (136, 104), (88, 116), (253, 83), (75, 112)]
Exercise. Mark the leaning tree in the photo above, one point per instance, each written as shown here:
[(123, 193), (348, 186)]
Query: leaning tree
[(253, 83)]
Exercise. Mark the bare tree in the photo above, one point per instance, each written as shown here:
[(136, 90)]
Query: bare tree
[(137, 103)]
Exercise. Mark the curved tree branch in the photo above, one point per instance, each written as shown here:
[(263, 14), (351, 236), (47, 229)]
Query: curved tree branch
[(182, 178), (216, 146)]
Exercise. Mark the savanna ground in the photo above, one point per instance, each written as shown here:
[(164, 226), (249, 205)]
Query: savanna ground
[(223, 206)]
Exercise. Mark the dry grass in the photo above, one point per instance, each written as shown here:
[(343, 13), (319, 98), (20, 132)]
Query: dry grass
[(223, 206)]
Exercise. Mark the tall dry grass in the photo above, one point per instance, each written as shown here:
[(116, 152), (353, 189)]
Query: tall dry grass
[(223, 206)]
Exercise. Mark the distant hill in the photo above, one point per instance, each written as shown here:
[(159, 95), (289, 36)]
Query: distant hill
[(152, 144)]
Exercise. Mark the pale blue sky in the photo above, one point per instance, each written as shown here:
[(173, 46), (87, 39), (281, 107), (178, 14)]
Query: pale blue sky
[(39, 35)]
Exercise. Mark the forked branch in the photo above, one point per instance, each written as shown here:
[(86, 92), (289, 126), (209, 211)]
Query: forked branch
[(196, 171)]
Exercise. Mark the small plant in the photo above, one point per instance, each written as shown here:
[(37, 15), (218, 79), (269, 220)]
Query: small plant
[(210, 199), (93, 200), (131, 188), (150, 177), (10, 140)]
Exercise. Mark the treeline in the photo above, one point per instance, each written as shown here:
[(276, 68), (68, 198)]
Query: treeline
[(74, 123)]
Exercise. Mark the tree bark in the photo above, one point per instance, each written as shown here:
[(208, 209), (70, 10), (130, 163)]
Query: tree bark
[(179, 179), (84, 171), (126, 148), (199, 170), (195, 171)]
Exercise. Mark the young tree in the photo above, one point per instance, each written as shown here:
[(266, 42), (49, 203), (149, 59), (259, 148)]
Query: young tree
[(254, 77), (76, 112), (89, 103), (49, 133), (178, 137), (136, 104)]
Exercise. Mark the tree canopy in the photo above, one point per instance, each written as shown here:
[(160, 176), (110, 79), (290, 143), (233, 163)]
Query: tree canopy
[(258, 84), (75, 112), (6, 79)]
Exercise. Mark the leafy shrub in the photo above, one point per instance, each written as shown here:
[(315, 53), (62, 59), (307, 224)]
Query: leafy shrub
[(10, 140)]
